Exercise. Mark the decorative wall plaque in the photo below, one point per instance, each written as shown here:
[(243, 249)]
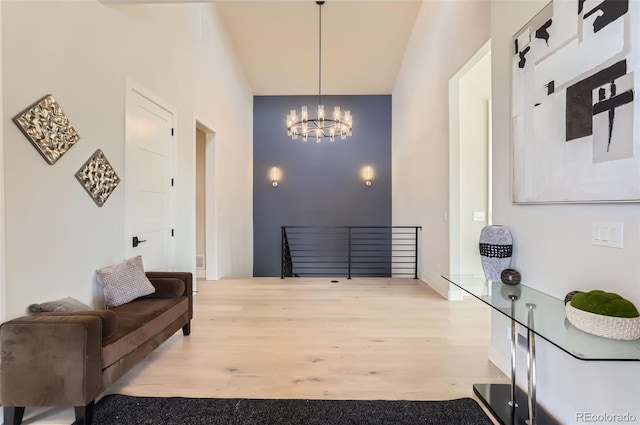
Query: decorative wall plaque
[(47, 128), (98, 177)]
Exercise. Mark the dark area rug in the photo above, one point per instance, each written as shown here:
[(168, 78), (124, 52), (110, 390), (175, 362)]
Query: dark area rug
[(119, 409)]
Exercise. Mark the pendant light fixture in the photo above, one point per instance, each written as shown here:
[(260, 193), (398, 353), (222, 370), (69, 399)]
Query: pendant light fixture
[(339, 124)]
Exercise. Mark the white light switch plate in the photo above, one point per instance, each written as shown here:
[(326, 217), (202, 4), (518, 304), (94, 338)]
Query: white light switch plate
[(607, 234), (479, 216)]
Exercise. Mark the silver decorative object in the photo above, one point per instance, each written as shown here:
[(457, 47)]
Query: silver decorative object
[(496, 246), (47, 128), (98, 177)]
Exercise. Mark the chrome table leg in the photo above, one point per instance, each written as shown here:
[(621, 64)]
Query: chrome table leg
[(512, 402), (531, 366)]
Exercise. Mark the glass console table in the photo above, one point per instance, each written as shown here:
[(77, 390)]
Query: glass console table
[(544, 316)]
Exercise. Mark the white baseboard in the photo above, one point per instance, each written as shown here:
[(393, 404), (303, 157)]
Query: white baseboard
[(500, 360), (201, 273), (442, 287)]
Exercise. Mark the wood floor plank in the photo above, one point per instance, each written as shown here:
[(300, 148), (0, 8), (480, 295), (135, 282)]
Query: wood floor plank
[(308, 338)]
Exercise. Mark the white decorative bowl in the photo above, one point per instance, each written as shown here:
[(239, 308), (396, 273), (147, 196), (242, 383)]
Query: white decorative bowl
[(605, 326)]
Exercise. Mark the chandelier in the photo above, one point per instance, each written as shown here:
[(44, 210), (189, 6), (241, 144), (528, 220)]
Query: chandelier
[(339, 124)]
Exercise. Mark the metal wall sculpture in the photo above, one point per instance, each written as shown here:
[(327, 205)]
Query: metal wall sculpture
[(98, 177), (47, 128)]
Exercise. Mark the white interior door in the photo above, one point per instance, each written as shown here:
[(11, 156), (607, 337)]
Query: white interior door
[(148, 179)]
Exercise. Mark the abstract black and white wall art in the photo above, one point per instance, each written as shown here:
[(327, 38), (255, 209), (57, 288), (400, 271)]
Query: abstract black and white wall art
[(575, 111)]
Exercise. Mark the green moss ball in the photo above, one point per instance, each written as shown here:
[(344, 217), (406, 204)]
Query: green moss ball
[(605, 303)]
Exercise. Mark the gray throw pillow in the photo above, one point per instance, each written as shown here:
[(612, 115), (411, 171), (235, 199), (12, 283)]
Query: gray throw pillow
[(124, 282), (67, 304)]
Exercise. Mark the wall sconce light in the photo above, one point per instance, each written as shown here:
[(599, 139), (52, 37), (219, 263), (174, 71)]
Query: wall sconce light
[(275, 176), (368, 176)]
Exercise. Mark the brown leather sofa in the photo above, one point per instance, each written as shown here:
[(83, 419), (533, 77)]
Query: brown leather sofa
[(69, 359)]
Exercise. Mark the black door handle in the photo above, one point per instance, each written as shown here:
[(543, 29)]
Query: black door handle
[(137, 241)]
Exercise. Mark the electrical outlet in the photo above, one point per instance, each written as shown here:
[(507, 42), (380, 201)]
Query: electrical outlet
[(521, 339), (522, 342)]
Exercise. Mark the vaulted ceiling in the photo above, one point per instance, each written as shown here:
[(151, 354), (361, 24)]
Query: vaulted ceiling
[(276, 41), (363, 43)]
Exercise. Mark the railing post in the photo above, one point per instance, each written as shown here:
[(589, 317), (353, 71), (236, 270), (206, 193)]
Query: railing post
[(415, 275), (282, 252), (349, 272)]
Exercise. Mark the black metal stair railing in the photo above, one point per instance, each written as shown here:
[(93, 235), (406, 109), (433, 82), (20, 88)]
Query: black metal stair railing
[(351, 251), (287, 264)]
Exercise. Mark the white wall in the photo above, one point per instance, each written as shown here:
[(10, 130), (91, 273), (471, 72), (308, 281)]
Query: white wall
[(552, 242), (475, 92), (445, 36), (81, 52), (552, 250)]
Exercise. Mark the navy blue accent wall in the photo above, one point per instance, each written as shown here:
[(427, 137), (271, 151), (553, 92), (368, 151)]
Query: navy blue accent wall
[(320, 184)]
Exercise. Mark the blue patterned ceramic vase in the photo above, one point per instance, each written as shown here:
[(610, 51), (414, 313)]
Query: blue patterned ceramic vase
[(496, 246)]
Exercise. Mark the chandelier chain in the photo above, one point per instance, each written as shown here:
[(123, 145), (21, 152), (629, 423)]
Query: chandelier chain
[(339, 124), (320, 3)]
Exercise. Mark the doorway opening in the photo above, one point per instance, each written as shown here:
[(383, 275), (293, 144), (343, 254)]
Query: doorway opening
[(470, 196), (206, 203)]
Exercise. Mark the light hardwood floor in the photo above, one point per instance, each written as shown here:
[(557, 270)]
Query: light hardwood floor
[(309, 338)]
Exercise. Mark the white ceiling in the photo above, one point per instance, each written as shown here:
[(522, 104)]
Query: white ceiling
[(363, 43)]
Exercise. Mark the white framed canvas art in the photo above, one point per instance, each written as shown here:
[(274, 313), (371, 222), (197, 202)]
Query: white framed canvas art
[(575, 110)]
